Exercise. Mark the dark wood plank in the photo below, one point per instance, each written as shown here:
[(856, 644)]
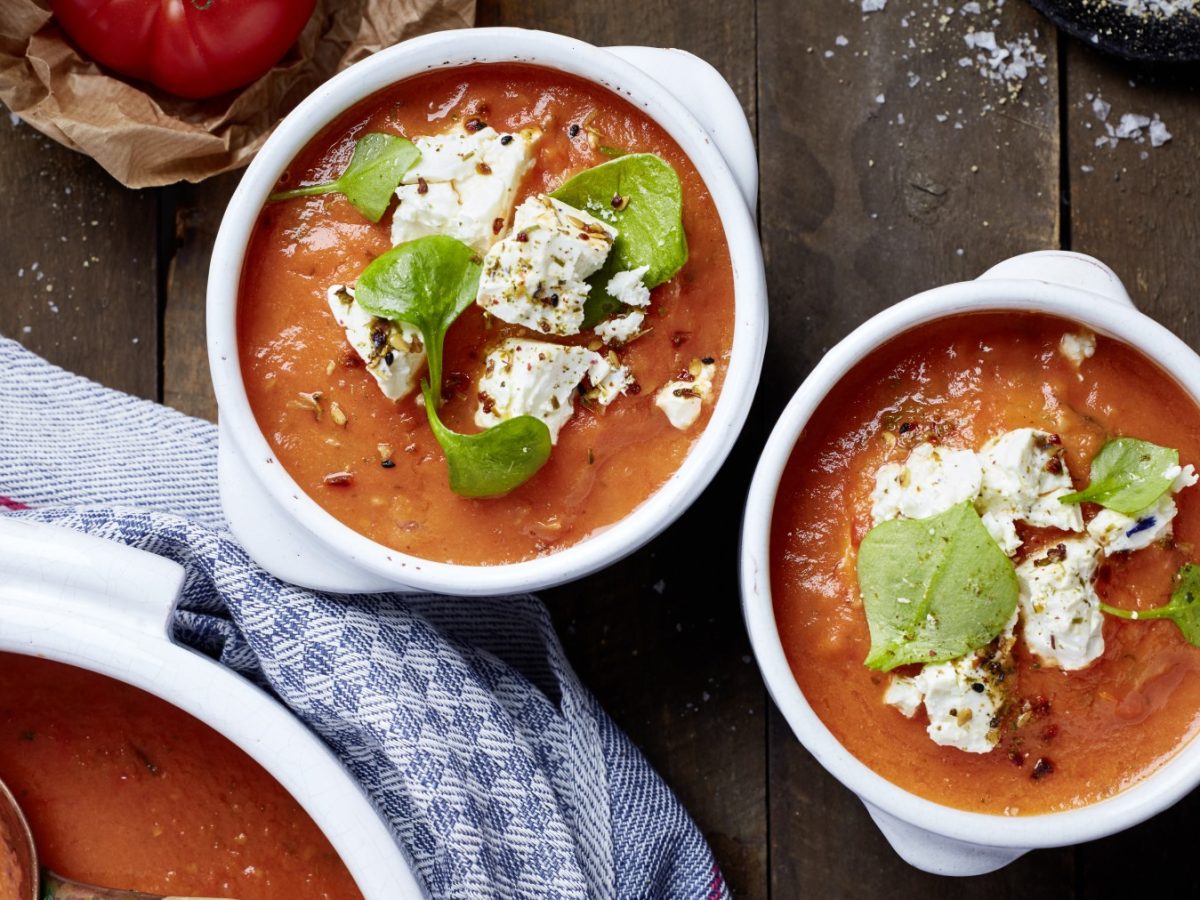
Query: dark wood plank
[(1134, 207), (659, 637), (868, 197), (198, 209), (79, 263)]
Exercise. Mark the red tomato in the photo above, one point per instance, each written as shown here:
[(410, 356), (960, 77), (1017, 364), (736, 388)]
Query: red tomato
[(193, 48)]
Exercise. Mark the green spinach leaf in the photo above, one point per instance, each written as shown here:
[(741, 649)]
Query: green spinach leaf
[(1183, 609), (639, 195), (426, 283), (933, 589), (493, 462), (1127, 475), (376, 167)]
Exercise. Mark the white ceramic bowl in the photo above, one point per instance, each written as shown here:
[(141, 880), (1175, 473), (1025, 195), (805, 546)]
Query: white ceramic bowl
[(286, 531), (105, 607), (928, 835)]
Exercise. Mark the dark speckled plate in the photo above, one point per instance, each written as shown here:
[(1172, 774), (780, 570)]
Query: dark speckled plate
[(1108, 26)]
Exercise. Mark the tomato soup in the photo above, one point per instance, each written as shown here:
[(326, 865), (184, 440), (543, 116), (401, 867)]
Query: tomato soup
[(122, 789), (1067, 738), (606, 461)]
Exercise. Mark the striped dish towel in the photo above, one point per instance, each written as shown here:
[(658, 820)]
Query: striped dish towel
[(496, 769)]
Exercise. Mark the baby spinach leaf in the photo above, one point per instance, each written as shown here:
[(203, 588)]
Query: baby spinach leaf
[(492, 462), (639, 195), (1183, 609), (933, 589), (1128, 475), (375, 169), (426, 283)]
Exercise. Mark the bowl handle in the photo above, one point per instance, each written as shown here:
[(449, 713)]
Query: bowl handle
[(1064, 268), (708, 97), (275, 541), (91, 577), (940, 855)]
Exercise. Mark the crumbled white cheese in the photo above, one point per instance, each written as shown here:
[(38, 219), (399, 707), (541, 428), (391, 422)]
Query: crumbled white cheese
[(1077, 347), (609, 379), (532, 378), (621, 329), (393, 351), (1024, 476), (1062, 622), (463, 185), (628, 287), (681, 400), (535, 276), (962, 697), (1117, 532), (930, 481)]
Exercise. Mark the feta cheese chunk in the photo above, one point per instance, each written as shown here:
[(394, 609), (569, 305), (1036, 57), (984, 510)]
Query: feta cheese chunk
[(930, 481), (1077, 347), (681, 400), (463, 185), (1023, 478), (609, 379), (1062, 622), (393, 351), (628, 288), (1117, 532), (963, 697), (532, 378), (621, 329), (535, 277)]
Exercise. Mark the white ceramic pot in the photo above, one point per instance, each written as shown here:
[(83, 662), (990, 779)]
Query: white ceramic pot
[(283, 529), (930, 836), (106, 607)]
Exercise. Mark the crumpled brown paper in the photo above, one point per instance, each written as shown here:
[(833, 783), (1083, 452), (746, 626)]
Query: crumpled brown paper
[(146, 137)]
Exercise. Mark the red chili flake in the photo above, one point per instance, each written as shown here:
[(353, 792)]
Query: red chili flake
[(475, 124), (350, 359), (422, 185), (685, 375), (483, 168), (634, 388), (486, 402), (1054, 465), (522, 236), (619, 202), (584, 236), (1039, 706), (497, 225), (679, 338), (1050, 732), (1041, 768)]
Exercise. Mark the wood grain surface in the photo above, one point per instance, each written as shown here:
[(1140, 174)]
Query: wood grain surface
[(887, 168)]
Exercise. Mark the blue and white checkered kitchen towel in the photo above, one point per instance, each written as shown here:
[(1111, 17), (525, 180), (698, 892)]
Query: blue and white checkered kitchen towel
[(496, 769)]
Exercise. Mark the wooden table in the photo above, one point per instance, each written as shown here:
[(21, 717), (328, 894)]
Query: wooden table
[(864, 201)]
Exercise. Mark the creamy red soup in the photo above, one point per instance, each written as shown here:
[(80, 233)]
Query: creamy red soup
[(122, 789), (606, 461), (1066, 738)]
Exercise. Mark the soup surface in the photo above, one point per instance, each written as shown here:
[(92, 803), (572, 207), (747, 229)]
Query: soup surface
[(122, 789), (606, 461), (1069, 738)]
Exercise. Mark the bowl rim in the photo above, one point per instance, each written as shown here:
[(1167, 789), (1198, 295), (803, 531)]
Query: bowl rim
[(708, 451), (1161, 788)]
